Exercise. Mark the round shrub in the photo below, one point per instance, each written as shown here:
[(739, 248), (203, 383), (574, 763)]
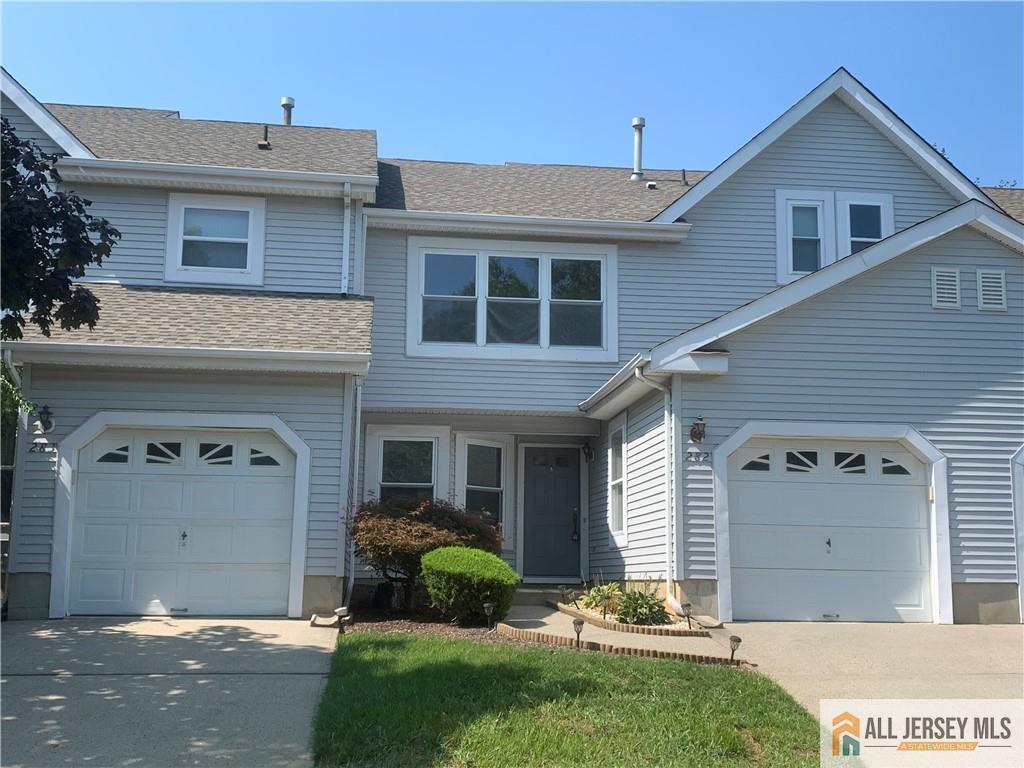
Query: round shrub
[(460, 580)]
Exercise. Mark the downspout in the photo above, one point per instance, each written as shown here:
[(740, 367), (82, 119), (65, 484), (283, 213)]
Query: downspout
[(669, 468), (346, 237), (353, 483)]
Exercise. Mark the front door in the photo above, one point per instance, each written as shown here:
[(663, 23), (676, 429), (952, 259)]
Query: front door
[(551, 513)]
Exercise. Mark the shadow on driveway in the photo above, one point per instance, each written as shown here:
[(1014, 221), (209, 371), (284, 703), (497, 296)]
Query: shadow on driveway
[(161, 692)]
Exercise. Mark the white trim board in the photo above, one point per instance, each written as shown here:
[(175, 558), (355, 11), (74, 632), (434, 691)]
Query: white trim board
[(942, 582), (42, 117), (67, 463), (985, 219), (855, 95), (1017, 484)]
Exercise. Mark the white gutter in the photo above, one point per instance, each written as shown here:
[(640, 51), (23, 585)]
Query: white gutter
[(669, 442), (211, 358), (624, 374), (485, 223), (11, 370), (216, 177), (353, 484), (346, 234)]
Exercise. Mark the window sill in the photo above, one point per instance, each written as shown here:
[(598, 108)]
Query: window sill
[(213, 277), (512, 353)]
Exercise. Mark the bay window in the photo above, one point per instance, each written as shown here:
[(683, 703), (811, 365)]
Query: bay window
[(511, 300)]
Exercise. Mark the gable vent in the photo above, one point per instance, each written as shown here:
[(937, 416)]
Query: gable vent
[(945, 288), (992, 289)]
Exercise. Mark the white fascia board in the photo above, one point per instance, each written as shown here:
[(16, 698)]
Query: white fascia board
[(972, 213), (42, 117), (199, 358), (855, 95), (623, 375), (698, 363), (485, 223), (218, 178)]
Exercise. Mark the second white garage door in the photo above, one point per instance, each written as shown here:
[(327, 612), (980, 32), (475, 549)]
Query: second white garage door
[(182, 523), (829, 531)]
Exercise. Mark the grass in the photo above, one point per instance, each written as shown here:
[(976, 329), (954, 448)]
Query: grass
[(414, 700)]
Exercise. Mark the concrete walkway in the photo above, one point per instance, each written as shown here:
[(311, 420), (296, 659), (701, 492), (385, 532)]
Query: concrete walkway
[(553, 622), (820, 660), (161, 692)]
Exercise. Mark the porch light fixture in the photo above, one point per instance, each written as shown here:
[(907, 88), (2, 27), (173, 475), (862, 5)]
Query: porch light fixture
[(577, 626), (697, 431), (489, 610), (687, 609), (45, 419), (734, 643), (588, 452)]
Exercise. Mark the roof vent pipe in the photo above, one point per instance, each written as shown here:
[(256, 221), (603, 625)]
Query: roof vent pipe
[(287, 105), (638, 149)]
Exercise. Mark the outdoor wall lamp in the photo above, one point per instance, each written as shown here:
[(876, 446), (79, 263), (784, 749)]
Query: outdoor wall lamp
[(697, 431), (45, 419), (588, 452), (489, 610), (687, 609), (577, 626), (734, 643)]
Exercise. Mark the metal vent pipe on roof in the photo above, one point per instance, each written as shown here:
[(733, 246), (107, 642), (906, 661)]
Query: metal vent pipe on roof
[(287, 105), (638, 149)]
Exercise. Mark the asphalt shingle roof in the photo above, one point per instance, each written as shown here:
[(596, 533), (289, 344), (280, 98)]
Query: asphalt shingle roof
[(160, 135), (222, 318), (1010, 200)]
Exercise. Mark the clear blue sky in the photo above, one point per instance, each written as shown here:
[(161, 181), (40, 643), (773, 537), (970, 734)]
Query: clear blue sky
[(540, 83)]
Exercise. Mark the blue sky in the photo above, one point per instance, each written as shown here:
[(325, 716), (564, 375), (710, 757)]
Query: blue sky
[(539, 82)]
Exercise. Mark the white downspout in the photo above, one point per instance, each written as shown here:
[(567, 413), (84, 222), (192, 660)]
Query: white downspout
[(669, 469), (353, 483), (346, 236)]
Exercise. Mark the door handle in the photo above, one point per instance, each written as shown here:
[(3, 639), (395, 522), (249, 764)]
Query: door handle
[(828, 542), (575, 524), (184, 538)]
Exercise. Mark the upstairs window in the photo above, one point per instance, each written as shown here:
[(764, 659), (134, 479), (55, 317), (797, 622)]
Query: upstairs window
[(862, 219), (215, 239), (511, 300)]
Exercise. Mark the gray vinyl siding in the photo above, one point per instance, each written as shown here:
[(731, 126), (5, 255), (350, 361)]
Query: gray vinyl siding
[(727, 260), (26, 129), (873, 350), (644, 553), (312, 406), (303, 238)]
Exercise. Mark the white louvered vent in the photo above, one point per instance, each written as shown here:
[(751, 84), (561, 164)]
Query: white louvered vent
[(945, 288), (992, 289)]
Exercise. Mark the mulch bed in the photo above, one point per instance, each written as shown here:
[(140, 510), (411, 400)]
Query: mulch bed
[(428, 624)]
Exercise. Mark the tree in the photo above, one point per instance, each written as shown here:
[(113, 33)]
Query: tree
[(47, 239)]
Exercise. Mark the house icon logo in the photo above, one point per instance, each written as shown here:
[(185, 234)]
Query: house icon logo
[(846, 735)]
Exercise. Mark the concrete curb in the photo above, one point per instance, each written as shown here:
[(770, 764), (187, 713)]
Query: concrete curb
[(561, 641), (663, 630)]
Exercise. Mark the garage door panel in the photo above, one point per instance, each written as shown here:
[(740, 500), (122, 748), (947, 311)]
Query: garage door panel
[(803, 503), (104, 539), (210, 543), (156, 542), (159, 497), (264, 543), (100, 584), (154, 590), (214, 498), (778, 546), (266, 499), (106, 496)]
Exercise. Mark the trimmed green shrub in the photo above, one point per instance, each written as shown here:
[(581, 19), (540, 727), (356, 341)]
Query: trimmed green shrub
[(460, 580), (592, 598), (642, 607)]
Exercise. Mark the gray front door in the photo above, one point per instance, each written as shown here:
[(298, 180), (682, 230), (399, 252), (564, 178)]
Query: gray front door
[(551, 513)]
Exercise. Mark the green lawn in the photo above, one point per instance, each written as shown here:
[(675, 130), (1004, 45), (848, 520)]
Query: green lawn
[(414, 700)]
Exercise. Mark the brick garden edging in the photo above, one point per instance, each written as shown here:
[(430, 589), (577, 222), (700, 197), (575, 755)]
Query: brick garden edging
[(561, 641), (597, 621)]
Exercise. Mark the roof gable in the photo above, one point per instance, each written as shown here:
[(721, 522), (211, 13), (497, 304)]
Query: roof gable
[(42, 117), (855, 95)]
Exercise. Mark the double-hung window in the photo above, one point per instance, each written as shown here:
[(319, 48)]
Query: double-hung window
[(215, 239), (617, 481), (483, 471), (511, 300), (862, 219)]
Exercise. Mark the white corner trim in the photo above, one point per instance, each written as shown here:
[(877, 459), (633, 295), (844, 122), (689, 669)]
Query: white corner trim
[(494, 224), (971, 213), (376, 434), (932, 457), (67, 462), (251, 274), (42, 117), (199, 358), (853, 93), (1017, 480)]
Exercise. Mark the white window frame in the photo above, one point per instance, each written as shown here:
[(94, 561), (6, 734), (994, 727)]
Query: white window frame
[(618, 538), (483, 249), (785, 201), (374, 459), (176, 272), (843, 202), (507, 445)]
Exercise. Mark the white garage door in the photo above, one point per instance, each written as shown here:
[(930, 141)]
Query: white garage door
[(829, 531), (182, 522)]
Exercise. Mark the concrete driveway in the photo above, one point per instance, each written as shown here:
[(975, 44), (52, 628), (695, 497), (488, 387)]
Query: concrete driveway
[(886, 661), (161, 692)]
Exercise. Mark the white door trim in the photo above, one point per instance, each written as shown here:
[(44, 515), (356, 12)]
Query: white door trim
[(521, 506), (942, 587), (1017, 480), (67, 457)]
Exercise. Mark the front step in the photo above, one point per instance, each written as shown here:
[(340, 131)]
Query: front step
[(536, 594)]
